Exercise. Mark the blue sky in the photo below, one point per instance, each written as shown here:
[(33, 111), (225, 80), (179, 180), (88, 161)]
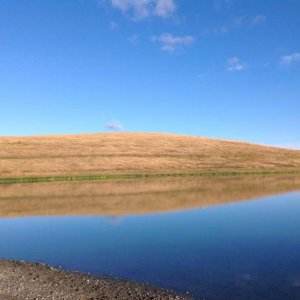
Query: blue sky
[(220, 68)]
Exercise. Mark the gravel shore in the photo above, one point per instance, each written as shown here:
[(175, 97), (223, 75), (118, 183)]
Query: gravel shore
[(20, 280)]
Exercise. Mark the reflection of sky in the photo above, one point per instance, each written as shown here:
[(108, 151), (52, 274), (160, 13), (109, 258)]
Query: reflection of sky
[(251, 246), (114, 220)]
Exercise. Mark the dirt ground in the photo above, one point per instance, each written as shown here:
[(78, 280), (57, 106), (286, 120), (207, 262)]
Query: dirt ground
[(20, 280)]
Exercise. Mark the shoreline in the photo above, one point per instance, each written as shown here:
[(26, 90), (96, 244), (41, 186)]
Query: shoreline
[(20, 280), (10, 180)]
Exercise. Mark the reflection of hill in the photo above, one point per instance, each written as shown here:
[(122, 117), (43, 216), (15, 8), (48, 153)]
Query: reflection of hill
[(142, 196)]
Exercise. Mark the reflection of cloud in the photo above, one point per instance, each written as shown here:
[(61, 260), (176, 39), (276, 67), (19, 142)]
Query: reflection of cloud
[(171, 43), (114, 220), (146, 8), (115, 125), (287, 60), (242, 279), (235, 64), (295, 282)]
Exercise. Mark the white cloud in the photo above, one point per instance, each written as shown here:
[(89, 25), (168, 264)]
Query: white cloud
[(238, 21), (114, 125), (219, 4), (134, 39), (164, 8), (216, 30), (235, 64), (171, 43), (287, 60), (113, 25), (235, 24), (146, 8), (258, 19)]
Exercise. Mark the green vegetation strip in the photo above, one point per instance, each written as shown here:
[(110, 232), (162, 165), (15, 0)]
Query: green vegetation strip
[(141, 175)]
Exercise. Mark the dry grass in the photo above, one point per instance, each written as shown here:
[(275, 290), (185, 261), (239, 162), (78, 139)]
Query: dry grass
[(142, 196), (121, 153)]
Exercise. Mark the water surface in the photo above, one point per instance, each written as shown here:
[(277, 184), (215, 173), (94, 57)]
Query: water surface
[(224, 244)]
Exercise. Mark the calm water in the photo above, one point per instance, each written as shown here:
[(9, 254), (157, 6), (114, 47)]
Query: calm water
[(242, 250)]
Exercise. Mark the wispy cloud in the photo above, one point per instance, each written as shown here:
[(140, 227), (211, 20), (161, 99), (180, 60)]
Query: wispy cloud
[(288, 60), (234, 24), (133, 39), (218, 30), (146, 8), (235, 64), (170, 43), (258, 19), (113, 25), (219, 4), (114, 125)]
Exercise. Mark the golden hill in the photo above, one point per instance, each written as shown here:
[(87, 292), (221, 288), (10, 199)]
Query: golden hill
[(126, 153)]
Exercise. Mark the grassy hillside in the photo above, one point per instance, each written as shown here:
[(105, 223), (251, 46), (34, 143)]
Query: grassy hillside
[(126, 153)]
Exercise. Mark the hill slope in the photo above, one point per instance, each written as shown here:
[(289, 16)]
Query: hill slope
[(124, 153)]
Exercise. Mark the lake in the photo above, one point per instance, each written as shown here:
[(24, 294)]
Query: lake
[(213, 237)]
